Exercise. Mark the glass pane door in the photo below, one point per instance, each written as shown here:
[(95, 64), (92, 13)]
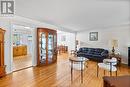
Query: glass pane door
[(42, 46), (50, 47)]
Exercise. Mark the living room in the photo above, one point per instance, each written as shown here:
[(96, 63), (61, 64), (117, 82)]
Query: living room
[(97, 29), (105, 37)]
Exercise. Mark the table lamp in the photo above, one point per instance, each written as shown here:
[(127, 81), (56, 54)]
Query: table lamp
[(114, 44), (77, 43)]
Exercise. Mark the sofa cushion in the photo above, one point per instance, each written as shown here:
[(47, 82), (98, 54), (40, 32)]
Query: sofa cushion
[(100, 50), (83, 49), (104, 53), (96, 53), (90, 52), (97, 56)]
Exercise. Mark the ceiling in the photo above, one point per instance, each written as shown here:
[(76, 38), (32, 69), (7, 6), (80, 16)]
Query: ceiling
[(77, 15)]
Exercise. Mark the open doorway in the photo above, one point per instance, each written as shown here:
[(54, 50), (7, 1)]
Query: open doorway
[(22, 47), (66, 42)]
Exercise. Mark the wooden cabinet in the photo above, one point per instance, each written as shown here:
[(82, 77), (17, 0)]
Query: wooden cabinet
[(2, 65), (47, 46), (19, 50)]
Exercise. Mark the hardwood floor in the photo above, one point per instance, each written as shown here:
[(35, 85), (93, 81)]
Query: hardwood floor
[(56, 75), (21, 62)]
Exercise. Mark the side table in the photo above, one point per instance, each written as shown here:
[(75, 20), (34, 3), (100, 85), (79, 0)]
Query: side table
[(81, 61), (117, 56)]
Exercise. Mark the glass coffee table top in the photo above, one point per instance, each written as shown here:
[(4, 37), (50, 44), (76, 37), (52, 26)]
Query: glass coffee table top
[(78, 59)]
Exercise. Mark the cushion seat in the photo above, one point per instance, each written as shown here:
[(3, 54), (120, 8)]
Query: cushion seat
[(107, 67)]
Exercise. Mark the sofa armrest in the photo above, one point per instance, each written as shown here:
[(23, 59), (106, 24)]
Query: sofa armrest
[(78, 52), (105, 53)]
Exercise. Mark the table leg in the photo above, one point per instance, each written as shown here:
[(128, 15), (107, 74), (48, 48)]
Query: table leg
[(110, 69), (71, 71), (81, 72), (97, 69)]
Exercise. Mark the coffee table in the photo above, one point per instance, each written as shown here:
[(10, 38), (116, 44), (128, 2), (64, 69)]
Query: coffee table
[(81, 61)]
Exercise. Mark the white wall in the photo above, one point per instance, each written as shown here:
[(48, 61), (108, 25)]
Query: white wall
[(70, 40), (121, 33), (6, 23)]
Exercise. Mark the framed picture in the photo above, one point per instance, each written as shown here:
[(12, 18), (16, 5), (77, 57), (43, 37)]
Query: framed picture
[(93, 36)]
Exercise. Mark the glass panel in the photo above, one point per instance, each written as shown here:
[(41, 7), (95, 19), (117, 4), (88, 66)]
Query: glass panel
[(50, 47), (42, 47), (55, 48), (16, 39), (55, 41)]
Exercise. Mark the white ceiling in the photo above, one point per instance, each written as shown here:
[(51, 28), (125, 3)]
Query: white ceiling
[(78, 15)]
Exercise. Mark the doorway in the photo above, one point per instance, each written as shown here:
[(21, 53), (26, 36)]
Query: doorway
[(22, 47), (66, 42)]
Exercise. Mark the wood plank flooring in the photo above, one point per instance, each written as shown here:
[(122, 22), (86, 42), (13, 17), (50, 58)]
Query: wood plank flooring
[(21, 62), (57, 75)]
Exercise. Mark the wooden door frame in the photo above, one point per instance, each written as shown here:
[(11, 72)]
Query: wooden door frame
[(33, 53)]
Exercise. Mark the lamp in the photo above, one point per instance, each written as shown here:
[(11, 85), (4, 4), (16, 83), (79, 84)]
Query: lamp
[(114, 44), (77, 43)]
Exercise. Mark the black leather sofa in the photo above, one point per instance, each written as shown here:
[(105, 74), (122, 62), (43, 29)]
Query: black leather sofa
[(96, 54)]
